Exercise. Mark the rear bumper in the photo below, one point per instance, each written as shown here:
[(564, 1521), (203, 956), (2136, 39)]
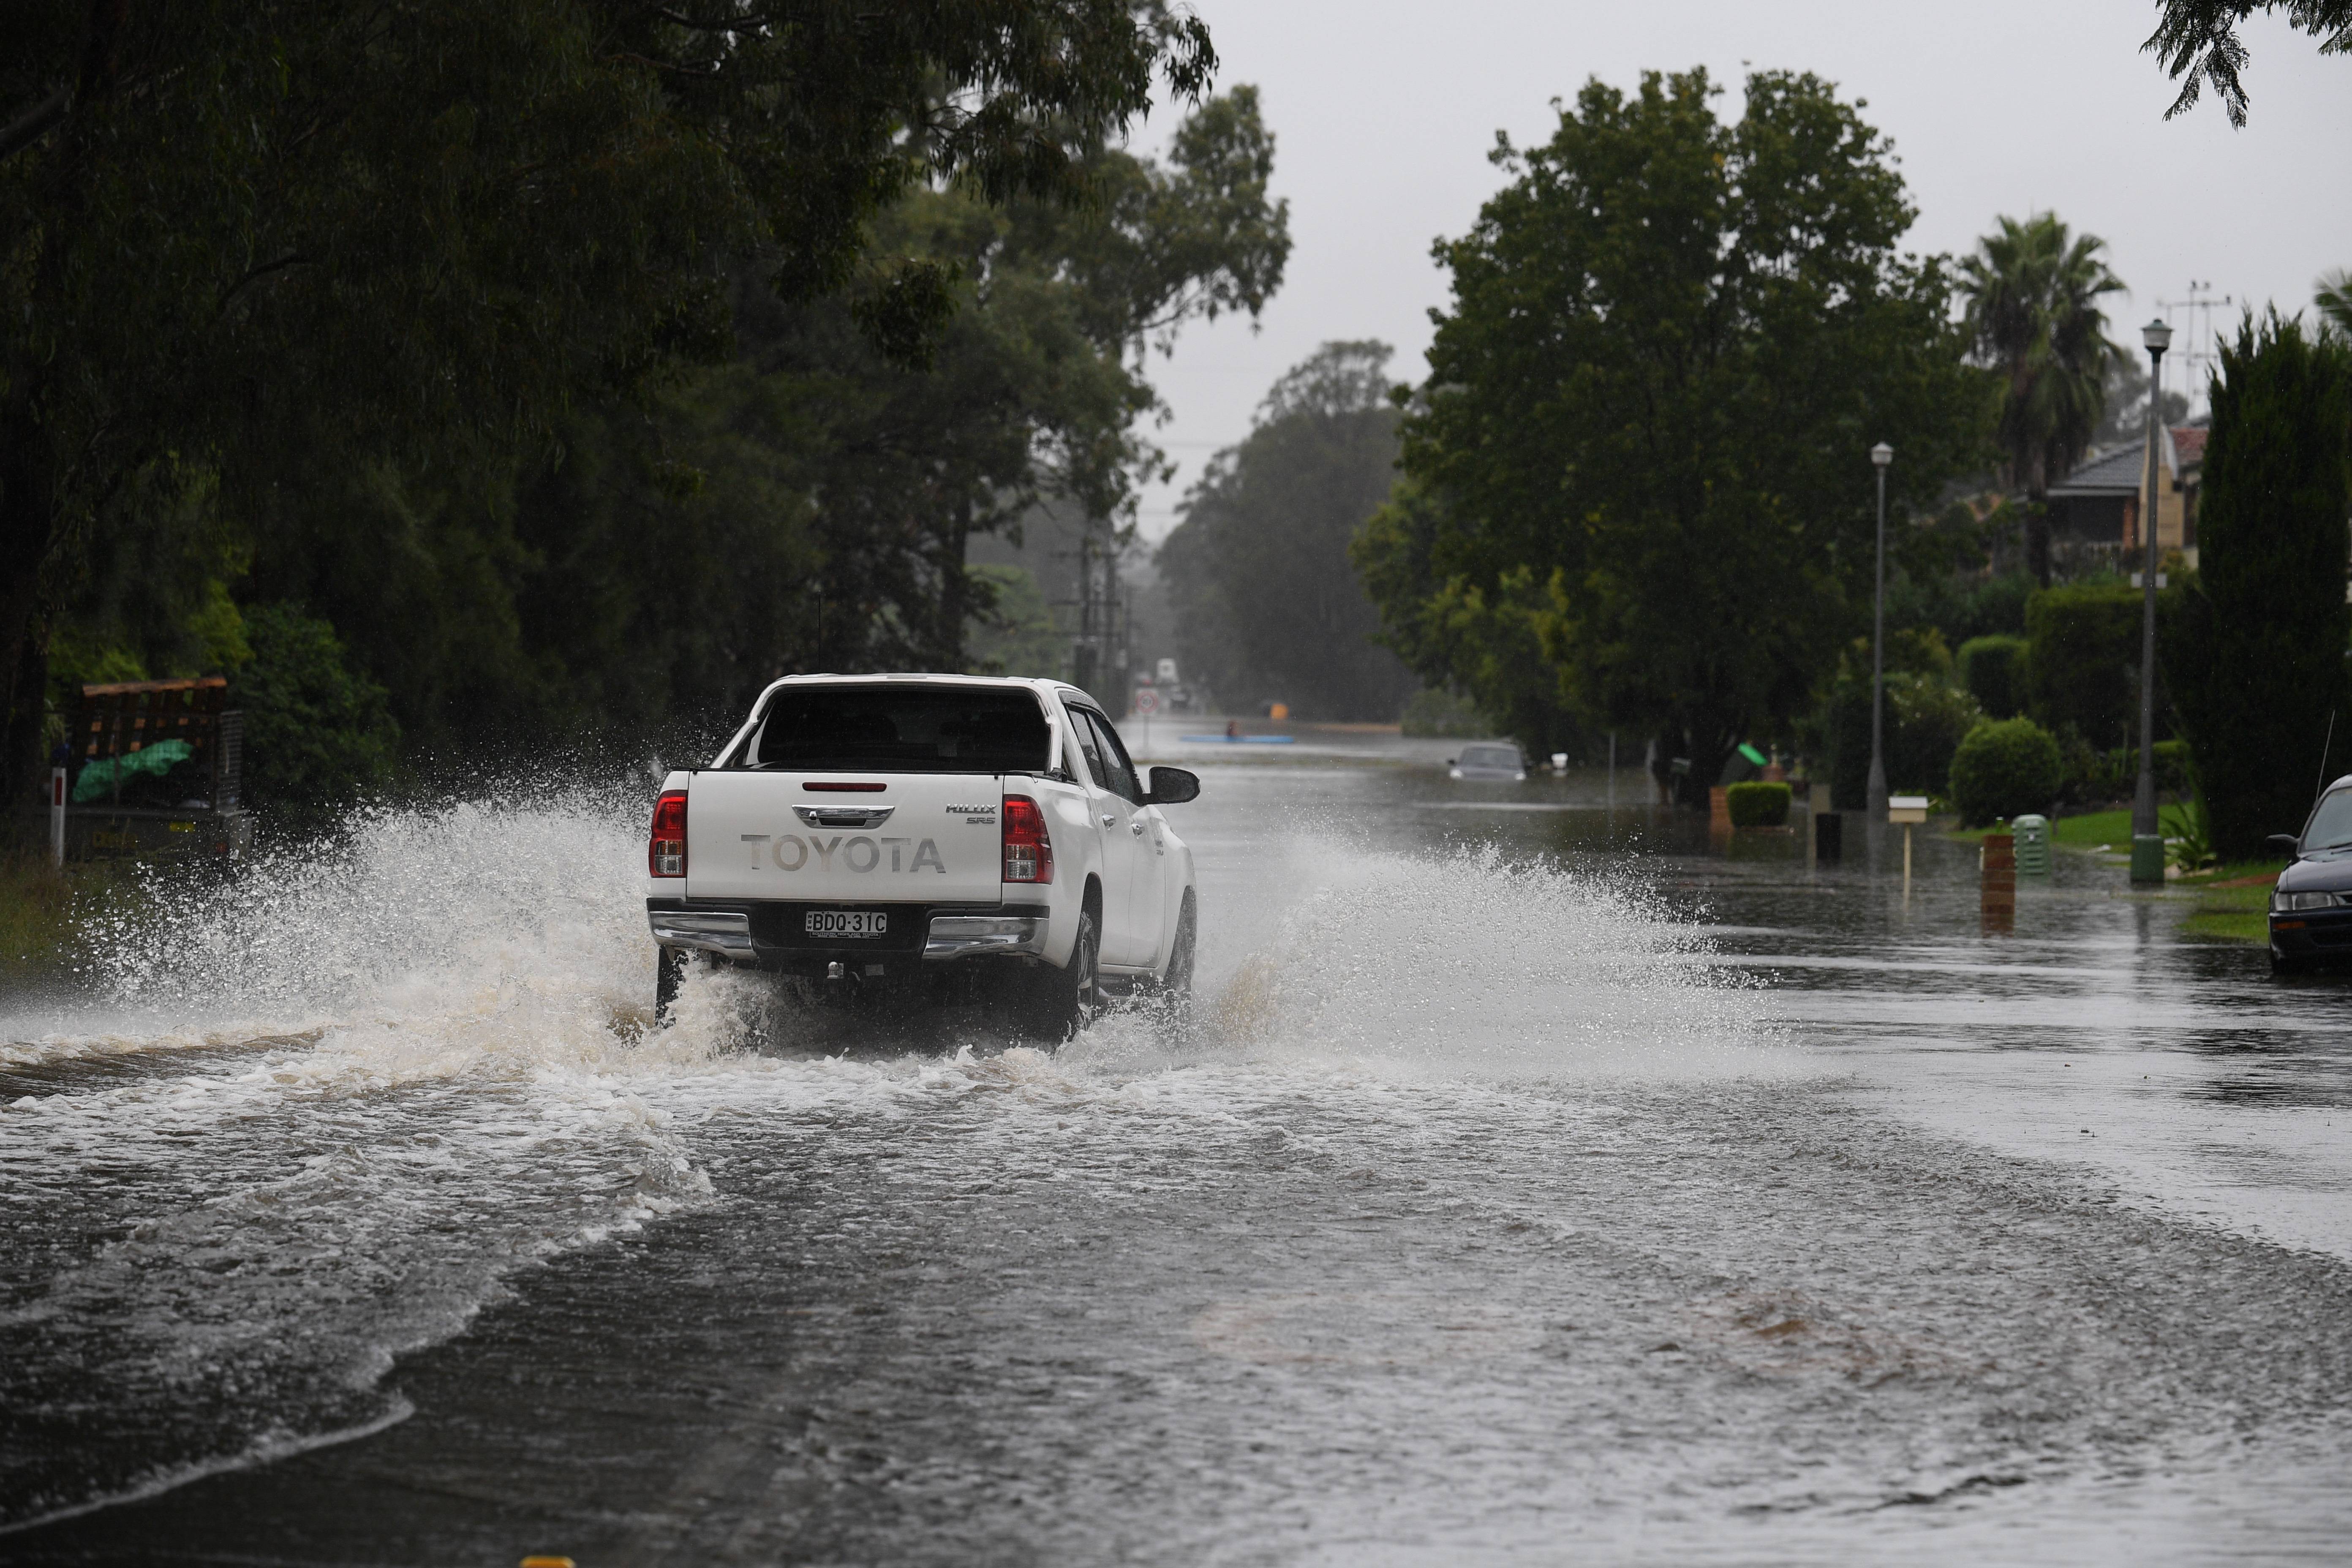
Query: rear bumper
[(763, 935)]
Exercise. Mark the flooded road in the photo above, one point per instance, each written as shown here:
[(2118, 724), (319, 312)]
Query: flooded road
[(1534, 1183)]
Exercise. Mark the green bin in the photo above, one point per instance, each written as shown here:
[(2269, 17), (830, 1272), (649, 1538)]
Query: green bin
[(2032, 844)]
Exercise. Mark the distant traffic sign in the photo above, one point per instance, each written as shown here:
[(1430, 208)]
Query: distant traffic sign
[(1147, 701)]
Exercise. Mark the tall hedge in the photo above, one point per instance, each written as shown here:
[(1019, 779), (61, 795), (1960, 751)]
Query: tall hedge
[(2082, 667), (1990, 669), (2255, 661)]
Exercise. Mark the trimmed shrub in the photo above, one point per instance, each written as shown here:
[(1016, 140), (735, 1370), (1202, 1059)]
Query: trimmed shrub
[(1758, 804), (2004, 767), (2094, 777), (1991, 669)]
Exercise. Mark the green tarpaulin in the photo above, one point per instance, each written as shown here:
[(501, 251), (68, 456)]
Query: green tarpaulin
[(96, 780)]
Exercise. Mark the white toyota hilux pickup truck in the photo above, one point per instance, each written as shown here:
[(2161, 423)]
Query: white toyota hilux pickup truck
[(883, 830)]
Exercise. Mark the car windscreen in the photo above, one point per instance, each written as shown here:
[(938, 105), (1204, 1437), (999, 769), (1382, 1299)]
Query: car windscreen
[(1489, 757), (2331, 824), (900, 729)]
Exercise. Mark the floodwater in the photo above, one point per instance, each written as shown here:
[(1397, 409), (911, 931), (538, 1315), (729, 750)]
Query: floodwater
[(1533, 1183)]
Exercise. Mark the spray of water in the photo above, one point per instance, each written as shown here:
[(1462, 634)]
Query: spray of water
[(375, 1078)]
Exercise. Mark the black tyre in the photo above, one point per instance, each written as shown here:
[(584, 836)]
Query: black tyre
[(1070, 998), (670, 973), (2282, 965), (1178, 983)]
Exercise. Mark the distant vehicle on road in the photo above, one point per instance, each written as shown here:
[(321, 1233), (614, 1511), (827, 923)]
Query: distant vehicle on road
[(1488, 762), (907, 830), (2311, 908)]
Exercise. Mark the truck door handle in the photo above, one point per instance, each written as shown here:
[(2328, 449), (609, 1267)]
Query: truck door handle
[(1109, 819), (1136, 827)]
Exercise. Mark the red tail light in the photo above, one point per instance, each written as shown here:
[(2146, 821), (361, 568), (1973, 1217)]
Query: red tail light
[(1028, 851), (666, 852)]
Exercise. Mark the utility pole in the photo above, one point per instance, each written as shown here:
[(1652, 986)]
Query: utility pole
[(1880, 456), (2199, 305), (2147, 839)]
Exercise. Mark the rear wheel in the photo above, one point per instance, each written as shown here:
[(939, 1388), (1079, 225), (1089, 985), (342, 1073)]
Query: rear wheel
[(1068, 999)]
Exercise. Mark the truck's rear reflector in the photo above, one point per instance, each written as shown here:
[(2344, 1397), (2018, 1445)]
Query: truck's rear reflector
[(844, 788), (665, 851), (1028, 850)]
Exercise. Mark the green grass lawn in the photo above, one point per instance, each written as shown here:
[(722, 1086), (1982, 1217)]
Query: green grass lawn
[(46, 916), (2088, 831), (2093, 829), (2230, 914)]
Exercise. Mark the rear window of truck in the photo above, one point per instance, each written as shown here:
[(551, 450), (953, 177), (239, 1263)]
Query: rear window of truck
[(900, 729)]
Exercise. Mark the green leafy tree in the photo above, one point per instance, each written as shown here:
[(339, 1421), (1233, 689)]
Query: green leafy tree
[(279, 240), (1266, 602), (2198, 42), (1457, 633), (1672, 344), (2033, 291), (318, 734), (2256, 660)]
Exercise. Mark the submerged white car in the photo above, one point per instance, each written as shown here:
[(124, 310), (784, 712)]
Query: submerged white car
[(901, 830), (1489, 763)]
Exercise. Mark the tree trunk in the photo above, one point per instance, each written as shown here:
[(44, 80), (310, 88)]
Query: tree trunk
[(2037, 537), (955, 590), (28, 530)]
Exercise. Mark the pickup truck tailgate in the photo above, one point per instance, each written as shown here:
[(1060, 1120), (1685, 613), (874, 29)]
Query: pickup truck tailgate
[(917, 838)]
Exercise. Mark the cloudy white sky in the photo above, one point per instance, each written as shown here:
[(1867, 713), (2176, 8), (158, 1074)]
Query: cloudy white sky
[(1384, 111)]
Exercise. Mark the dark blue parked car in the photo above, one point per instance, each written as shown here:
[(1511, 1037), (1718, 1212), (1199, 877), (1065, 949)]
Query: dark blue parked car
[(2311, 909)]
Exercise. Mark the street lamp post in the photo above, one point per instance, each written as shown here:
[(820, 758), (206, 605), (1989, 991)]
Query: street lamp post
[(2148, 837), (1880, 456)]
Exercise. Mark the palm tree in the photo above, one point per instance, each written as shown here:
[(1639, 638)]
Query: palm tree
[(2335, 300), (2033, 292)]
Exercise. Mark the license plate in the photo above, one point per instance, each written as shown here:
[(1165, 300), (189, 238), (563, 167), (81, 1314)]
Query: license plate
[(847, 923)]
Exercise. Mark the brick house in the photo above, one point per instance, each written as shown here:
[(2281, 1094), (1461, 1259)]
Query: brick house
[(2095, 511)]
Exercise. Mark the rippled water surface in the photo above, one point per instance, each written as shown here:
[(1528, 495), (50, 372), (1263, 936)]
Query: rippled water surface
[(1532, 1182)]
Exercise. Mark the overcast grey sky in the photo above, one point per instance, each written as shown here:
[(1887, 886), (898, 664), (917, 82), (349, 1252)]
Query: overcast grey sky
[(1383, 114)]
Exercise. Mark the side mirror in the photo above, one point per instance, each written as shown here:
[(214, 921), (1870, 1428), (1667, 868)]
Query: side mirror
[(1453, 762), (2287, 844), (1173, 786)]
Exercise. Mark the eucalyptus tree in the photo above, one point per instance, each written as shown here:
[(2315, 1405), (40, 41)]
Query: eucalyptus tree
[(806, 503), (243, 240), (1643, 444), (2032, 292), (1268, 604)]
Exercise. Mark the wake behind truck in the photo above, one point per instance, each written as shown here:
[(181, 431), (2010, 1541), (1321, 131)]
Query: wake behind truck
[(899, 830)]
